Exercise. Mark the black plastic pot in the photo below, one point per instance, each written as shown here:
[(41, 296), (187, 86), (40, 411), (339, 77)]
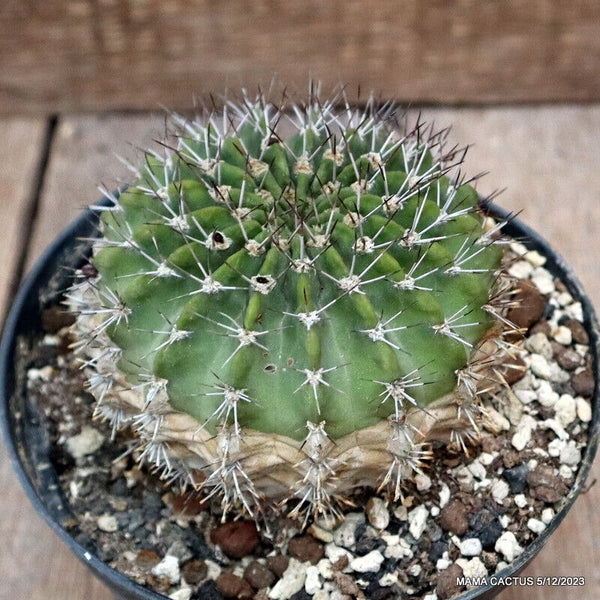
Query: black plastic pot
[(27, 439)]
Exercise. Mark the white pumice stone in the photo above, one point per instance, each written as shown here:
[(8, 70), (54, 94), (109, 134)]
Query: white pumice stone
[(417, 521), (539, 366), (344, 535), (84, 443), (509, 547), (546, 395), (565, 471), (556, 446), (521, 500), (472, 568), (575, 311), (471, 547), (535, 258), (291, 582), (536, 525), (107, 523), (522, 435), (570, 454), (538, 343), (334, 553), (184, 593), (500, 490), (478, 470), (584, 410), (548, 515), (565, 410), (312, 583), (444, 494), (563, 335), (369, 563), (423, 482), (325, 568), (168, 568), (526, 396), (521, 269), (377, 513)]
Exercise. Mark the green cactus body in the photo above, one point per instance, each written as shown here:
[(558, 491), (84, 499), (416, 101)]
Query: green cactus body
[(258, 293)]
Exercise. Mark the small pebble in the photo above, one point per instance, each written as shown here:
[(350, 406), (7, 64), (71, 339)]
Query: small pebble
[(536, 525), (423, 482), (583, 382), (232, 586), (543, 283), (547, 515), (563, 335), (345, 534), (108, 523), (447, 585), (258, 575), (471, 547), (546, 395), (306, 549), (335, 553), (535, 258), (472, 568), (369, 563), (570, 454), (521, 269), (417, 521), (236, 538), (478, 470), (520, 500), (320, 533), (522, 435), (500, 490), (568, 359), (565, 410), (507, 544), (516, 478), (84, 443), (578, 331), (291, 582), (539, 366), (453, 518), (184, 593), (538, 343), (168, 567), (584, 410), (565, 472), (444, 494), (377, 513), (312, 583), (529, 305), (325, 568), (575, 311)]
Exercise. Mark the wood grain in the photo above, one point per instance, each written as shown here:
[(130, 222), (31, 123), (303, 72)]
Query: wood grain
[(78, 55), (547, 157), (27, 541), (20, 150)]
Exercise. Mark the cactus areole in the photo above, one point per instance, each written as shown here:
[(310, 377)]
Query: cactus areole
[(283, 318)]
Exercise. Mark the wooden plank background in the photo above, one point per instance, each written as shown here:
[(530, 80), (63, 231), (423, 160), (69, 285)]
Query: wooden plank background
[(547, 157), (84, 55)]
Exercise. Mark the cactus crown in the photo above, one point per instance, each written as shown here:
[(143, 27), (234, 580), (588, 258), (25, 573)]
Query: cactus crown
[(263, 300)]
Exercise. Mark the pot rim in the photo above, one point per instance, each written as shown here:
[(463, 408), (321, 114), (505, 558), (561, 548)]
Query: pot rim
[(27, 300)]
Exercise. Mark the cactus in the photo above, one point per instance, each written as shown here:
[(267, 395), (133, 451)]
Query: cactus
[(283, 318)]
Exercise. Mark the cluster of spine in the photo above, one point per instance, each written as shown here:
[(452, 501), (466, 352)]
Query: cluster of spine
[(284, 317)]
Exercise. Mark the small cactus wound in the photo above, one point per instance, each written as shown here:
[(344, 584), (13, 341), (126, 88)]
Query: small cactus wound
[(283, 318)]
